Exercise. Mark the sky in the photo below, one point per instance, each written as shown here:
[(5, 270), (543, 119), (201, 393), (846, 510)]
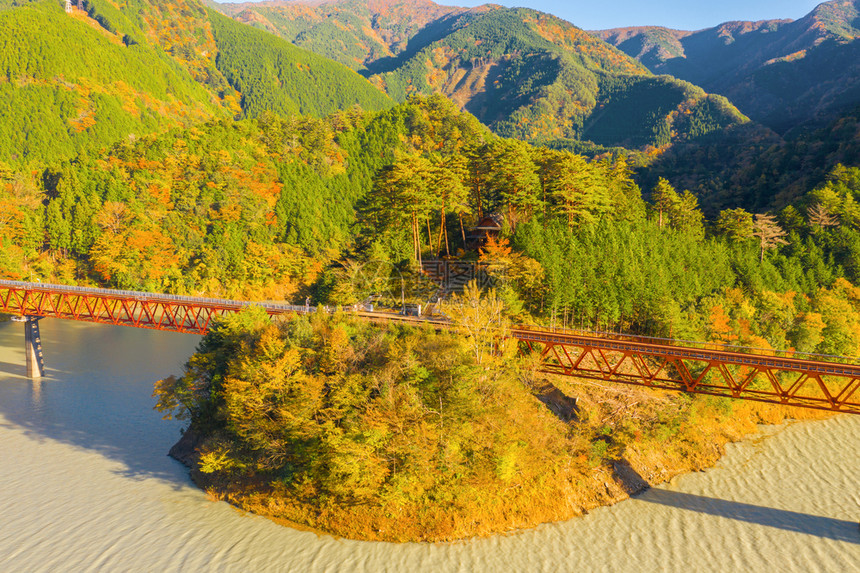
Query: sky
[(678, 14)]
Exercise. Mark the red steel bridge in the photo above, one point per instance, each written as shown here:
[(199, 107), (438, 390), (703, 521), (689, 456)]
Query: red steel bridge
[(779, 377)]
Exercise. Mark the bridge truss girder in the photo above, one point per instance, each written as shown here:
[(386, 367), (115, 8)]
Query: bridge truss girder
[(771, 379), (171, 316), (825, 383)]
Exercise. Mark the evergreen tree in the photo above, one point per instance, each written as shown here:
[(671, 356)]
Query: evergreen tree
[(820, 216), (447, 181), (403, 192), (665, 200), (686, 215), (577, 189), (513, 180), (735, 224)]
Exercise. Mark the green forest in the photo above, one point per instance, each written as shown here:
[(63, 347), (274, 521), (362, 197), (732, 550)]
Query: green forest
[(85, 81), (278, 208), (57, 101), (546, 79), (260, 66)]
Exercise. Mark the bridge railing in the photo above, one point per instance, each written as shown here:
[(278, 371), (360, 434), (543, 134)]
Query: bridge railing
[(148, 296), (278, 307)]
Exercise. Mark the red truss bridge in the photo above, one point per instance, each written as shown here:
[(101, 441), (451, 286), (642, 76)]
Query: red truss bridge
[(779, 377), (186, 314), (763, 375)]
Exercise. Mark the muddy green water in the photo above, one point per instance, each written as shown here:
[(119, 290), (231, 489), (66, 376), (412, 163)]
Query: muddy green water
[(86, 486)]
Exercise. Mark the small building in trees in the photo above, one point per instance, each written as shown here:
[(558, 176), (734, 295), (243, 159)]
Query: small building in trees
[(489, 226)]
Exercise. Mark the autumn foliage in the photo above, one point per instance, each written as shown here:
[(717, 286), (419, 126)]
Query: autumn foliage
[(402, 434)]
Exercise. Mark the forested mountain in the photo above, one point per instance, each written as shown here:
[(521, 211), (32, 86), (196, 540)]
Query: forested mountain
[(753, 167), (269, 74), (534, 77), (273, 75), (167, 67), (284, 208), (83, 80), (355, 33), (524, 73), (248, 208), (781, 73), (147, 67)]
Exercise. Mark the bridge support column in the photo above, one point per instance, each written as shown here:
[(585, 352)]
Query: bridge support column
[(33, 347)]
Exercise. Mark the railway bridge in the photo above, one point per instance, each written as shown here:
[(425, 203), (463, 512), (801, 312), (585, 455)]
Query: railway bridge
[(774, 376)]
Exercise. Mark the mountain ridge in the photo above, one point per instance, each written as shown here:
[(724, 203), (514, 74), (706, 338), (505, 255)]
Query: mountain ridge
[(524, 73), (772, 69), (379, 28)]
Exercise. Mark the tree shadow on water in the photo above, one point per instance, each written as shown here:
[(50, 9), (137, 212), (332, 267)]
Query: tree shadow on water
[(125, 437), (96, 395), (819, 526)]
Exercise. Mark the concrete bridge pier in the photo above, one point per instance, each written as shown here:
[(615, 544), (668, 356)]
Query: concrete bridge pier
[(33, 347)]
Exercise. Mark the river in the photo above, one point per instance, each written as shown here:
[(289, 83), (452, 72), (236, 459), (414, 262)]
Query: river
[(86, 486)]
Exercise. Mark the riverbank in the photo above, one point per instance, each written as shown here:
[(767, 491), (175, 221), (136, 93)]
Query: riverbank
[(646, 463), (391, 434)]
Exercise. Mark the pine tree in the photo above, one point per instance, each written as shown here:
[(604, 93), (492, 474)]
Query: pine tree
[(447, 181), (665, 200), (479, 168), (820, 216), (513, 180), (624, 195), (735, 224), (403, 192), (577, 190), (686, 215)]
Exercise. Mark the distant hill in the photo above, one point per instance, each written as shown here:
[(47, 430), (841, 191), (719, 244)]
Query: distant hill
[(781, 73), (753, 167), (84, 80), (273, 75), (267, 72), (524, 73), (355, 33)]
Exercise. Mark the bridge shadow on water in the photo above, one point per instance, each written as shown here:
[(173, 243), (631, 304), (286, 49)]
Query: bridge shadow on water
[(97, 394), (818, 526)]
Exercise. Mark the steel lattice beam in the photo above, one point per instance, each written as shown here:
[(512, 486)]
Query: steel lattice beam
[(763, 376), (137, 309)]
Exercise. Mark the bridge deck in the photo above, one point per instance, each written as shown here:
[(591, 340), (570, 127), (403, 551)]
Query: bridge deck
[(782, 377)]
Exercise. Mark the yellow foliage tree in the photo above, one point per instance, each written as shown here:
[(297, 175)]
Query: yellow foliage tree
[(481, 317)]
